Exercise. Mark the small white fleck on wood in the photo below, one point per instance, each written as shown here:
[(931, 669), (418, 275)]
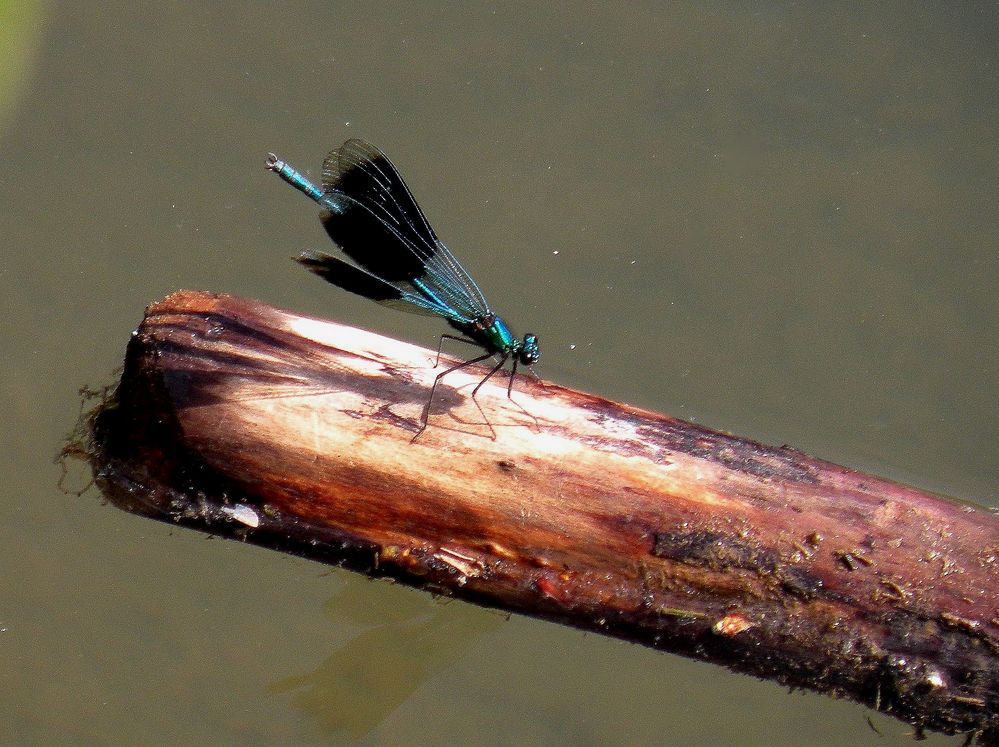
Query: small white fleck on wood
[(243, 514)]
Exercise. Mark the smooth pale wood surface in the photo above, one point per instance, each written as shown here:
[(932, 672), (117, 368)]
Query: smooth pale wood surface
[(296, 434)]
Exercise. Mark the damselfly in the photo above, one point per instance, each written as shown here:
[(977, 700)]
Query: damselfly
[(372, 217)]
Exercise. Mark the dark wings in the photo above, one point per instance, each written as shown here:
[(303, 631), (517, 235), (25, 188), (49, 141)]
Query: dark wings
[(372, 216)]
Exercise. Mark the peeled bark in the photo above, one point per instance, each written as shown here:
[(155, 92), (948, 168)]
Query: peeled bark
[(296, 434)]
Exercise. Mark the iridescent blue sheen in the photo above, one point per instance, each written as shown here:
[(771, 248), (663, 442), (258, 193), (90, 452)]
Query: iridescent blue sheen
[(397, 259)]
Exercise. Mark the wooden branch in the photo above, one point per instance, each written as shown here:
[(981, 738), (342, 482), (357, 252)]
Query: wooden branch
[(296, 434)]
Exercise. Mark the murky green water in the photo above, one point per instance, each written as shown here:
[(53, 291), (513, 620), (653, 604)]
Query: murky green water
[(776, 219)]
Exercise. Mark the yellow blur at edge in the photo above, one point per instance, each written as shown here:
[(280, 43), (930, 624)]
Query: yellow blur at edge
[(21, 24)]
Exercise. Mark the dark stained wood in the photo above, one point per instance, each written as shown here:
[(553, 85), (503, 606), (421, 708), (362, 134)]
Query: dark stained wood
[(295, 433)]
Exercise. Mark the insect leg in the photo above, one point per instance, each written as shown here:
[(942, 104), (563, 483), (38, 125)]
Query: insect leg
[(440, 347), (478, 386), (441, 375), (509, 394)]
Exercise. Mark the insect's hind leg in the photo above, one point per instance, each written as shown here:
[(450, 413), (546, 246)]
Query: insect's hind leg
[(440, 348), (441, 375)]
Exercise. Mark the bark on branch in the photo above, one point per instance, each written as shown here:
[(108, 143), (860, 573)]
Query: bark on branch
[(295, 434)]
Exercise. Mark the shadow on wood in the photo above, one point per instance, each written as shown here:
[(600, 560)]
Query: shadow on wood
[(294, 433)]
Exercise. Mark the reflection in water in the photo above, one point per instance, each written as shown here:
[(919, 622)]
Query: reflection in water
[(408, 637)]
